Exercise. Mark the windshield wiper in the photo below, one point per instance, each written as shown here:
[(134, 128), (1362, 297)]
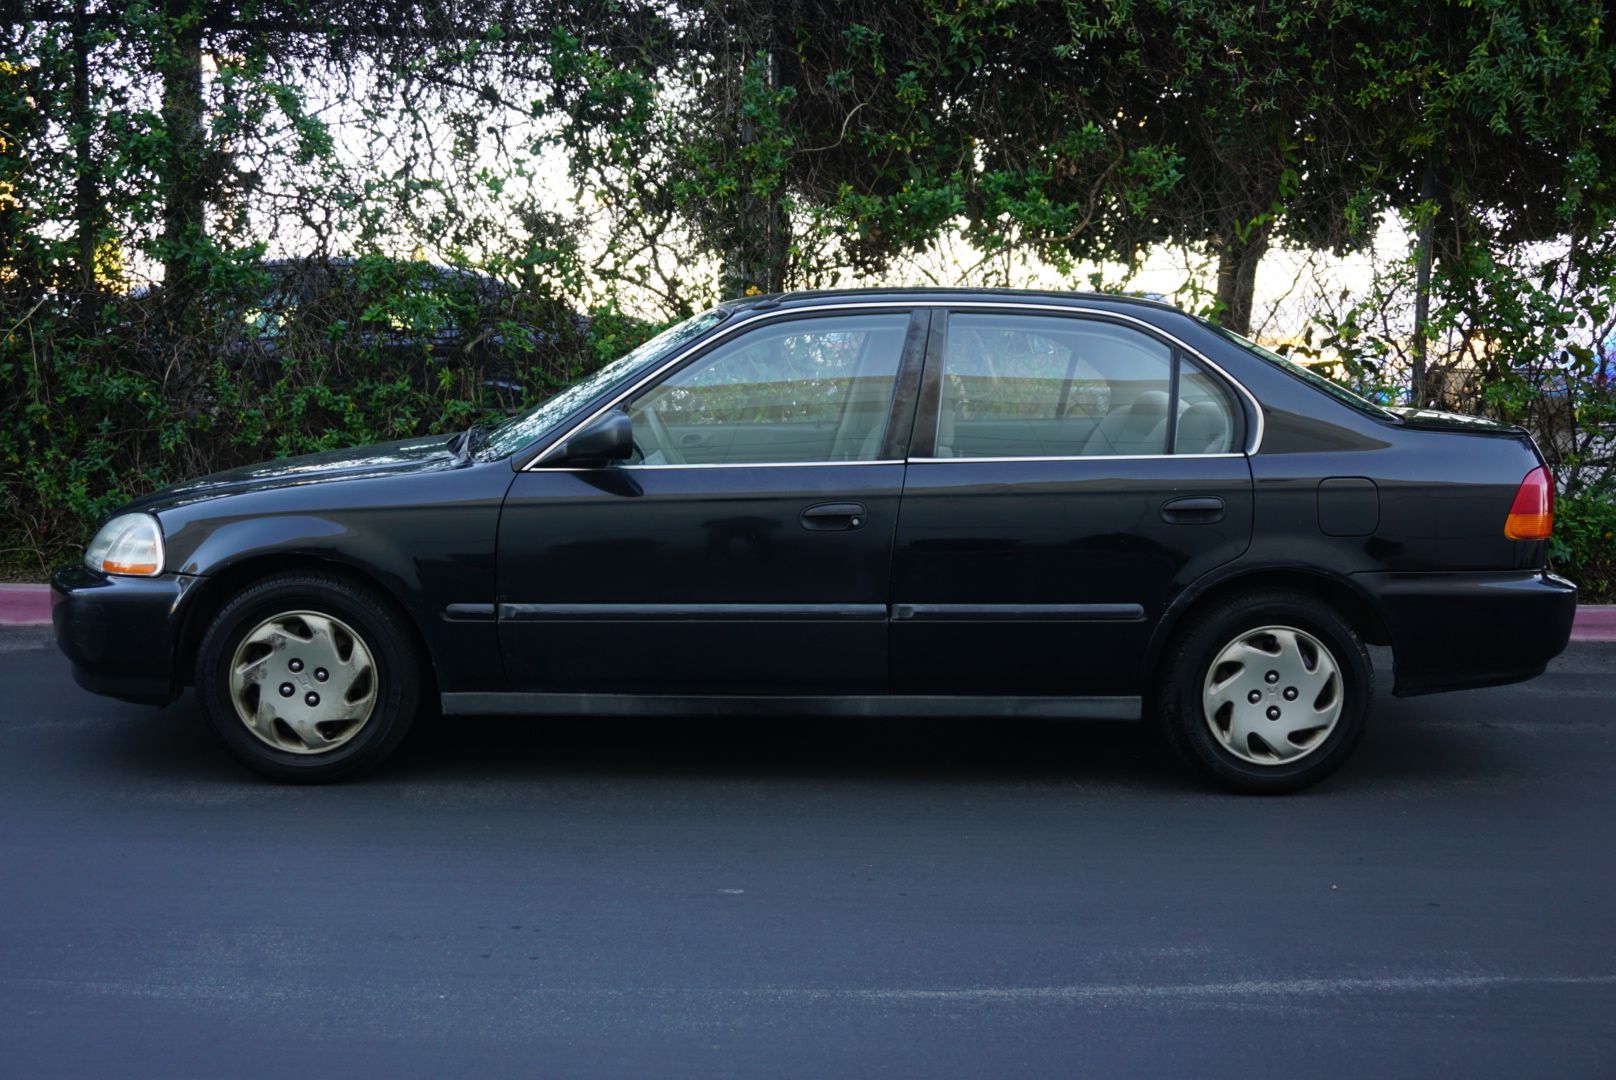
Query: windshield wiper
[(465, 444)]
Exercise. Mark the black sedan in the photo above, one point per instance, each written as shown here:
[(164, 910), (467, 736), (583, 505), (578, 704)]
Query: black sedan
[(878, 503)]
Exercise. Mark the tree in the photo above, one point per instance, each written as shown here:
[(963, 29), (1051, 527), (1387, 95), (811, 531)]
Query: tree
[(1495, 126)]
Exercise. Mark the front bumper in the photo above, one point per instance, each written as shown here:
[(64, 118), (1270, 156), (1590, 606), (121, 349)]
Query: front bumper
[(120, 632), (1455, 631)]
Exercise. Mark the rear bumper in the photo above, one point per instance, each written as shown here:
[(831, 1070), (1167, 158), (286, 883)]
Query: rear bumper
[(120, 632), (1454, 631)]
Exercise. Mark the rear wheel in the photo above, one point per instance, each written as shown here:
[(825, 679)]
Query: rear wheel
[(308, 677), (1266, 694)]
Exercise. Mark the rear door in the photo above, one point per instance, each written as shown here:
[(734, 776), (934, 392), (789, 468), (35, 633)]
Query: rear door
[(1070, 473), (747, 549)]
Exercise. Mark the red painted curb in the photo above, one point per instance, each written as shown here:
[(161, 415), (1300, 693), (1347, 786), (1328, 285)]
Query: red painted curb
[(24, 605), (1595, 622)]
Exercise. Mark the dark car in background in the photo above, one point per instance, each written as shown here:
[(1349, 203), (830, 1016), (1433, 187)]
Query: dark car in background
[(424, 322), (858, 504)]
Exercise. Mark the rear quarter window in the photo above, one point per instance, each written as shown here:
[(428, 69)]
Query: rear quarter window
[(1298, 371)]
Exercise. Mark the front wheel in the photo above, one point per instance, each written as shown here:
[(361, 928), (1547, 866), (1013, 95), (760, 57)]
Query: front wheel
[(1267, 694), (307, 677)]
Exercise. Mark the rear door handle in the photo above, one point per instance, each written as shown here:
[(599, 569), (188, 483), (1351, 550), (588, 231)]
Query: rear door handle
[(1207, 508), (827, 517)]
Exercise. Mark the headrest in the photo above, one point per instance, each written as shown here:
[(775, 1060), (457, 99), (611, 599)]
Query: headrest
[(1150, 403), (1201, 427)]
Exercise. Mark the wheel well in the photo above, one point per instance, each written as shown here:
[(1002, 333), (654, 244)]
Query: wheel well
[(215, 590), (1353, 605)]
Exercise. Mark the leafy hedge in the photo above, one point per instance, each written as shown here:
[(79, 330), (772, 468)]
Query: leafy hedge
[(110, 396), (1584, 544)]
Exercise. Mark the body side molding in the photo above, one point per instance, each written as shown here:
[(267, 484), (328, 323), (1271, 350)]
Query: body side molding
[(690, 612), (751, 705), (1018, 612)]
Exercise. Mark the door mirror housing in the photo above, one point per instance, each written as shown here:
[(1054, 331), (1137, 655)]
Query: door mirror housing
[(608, 439)]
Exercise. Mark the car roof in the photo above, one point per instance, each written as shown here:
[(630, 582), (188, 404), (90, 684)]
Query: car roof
[(1054, 297)]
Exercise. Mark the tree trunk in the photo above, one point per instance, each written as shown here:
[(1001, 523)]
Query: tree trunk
[(86, 197), (1422, 289), (759, 248), (759, 243), (1237, 278), (184, 162)]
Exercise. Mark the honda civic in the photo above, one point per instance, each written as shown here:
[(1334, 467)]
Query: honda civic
[(857, 504)]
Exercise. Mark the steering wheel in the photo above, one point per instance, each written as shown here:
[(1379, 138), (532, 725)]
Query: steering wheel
[(663, 437)]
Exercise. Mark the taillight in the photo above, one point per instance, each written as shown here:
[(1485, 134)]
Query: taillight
[(1532, 516)]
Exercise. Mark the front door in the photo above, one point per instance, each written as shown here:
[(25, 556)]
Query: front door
[(1047, 519), (746, 547)]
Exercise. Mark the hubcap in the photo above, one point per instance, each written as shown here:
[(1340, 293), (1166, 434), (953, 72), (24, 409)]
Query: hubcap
[(303, 682), (1272, 695)]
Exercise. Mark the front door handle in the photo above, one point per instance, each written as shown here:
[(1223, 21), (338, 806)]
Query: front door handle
[(827, 517), (1205, 508)]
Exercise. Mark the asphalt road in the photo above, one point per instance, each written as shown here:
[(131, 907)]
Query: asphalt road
[(656, 899)]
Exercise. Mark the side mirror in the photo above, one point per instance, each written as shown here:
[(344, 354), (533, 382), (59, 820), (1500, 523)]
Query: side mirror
[(611, 438)]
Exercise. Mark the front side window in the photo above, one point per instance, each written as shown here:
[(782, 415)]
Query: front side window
[(522, 429), (1045, 386), (803, 390)]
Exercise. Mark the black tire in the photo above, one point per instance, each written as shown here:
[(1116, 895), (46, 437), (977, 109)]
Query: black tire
[(389, 642), (1182, 715)]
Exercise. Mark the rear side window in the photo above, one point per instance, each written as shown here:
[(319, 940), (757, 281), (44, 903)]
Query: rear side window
[(1045, 386)]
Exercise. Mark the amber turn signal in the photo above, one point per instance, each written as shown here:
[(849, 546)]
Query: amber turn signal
[(1532, 515)]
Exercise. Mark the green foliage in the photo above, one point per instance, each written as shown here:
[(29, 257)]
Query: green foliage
[(1584, 544), (113, 406)]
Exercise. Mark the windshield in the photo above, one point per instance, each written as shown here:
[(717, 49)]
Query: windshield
[(1312, 378), (523, 428)]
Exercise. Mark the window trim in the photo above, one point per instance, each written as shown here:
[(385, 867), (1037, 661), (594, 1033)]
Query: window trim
[(930, 309), (1074, 457), (1175, 365), (732, 465), (1180, 355)]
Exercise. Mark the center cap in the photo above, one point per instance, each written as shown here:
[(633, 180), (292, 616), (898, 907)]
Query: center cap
[(302, 677)]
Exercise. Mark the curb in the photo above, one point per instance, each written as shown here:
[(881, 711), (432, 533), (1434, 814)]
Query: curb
[(25, 605), (1595, 622), (29, 605)]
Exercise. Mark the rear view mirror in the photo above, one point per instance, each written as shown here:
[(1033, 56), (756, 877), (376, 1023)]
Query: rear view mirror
[(608, 439)]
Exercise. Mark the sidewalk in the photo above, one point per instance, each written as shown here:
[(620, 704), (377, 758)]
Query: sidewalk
[(29, 605)]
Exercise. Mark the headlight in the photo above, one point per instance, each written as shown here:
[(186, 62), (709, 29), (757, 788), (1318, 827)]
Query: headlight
[(128, 544)]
